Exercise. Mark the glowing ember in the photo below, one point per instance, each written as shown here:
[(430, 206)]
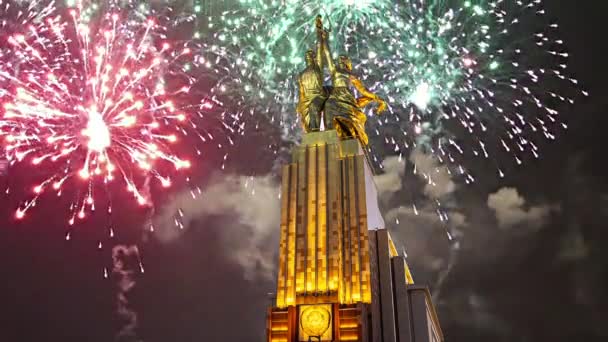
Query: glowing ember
[(98, 133), (421, 96)]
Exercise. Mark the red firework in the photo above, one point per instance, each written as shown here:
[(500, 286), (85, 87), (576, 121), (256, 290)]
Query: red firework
[(96, 102)]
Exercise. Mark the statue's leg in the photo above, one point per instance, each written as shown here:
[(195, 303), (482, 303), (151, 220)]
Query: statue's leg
[(313, 117), (328, 114), (314, 121), (305, 122)]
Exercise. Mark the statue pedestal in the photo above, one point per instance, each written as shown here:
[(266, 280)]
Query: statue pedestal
[(336, 278)]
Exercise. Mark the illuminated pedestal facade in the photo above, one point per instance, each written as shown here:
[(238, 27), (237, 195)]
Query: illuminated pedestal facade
[(340, 277)]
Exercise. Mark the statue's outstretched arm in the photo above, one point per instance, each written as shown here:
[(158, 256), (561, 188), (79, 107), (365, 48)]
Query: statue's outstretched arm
[(367, 96), (361, 88)]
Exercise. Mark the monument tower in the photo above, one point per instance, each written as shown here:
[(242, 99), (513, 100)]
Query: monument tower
[(340, 277)]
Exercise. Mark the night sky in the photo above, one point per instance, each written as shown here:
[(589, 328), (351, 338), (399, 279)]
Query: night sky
[(529, 262)]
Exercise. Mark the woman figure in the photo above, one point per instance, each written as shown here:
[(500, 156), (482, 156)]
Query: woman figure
[(342, 111)]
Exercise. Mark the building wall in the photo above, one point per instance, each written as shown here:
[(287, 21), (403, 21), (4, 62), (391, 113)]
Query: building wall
[(335, 275), (401, 311), (324, 249)]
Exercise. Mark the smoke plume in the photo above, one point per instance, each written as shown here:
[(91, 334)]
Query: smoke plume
[(126, 262), (250, 207)]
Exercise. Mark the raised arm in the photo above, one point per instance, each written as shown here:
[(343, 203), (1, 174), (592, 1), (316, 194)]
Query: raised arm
[(319, 55), (327, 52)]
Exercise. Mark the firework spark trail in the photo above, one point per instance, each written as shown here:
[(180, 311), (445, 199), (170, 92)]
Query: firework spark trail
[(97, 100), (462, 78), (123, 259), (476, 66), (14, 16)]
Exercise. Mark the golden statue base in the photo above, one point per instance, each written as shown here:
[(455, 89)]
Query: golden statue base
[(340, 277)]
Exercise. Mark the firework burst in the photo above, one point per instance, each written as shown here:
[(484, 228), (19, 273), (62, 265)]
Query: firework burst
[(477, 77), (97, 101), (461, 77)]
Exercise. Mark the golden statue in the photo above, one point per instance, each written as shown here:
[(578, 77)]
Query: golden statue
[(342, 111), (312, 94)]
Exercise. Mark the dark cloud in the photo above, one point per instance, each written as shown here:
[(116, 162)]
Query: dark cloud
[(573, 247), (251, 203), (389, 182), (420, 225), (511, 210), (437, 177)]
